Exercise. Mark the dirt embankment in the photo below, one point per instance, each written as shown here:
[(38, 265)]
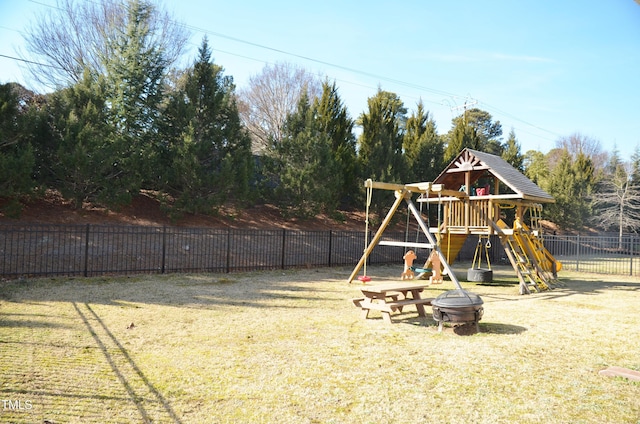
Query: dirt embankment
[(146, 210)]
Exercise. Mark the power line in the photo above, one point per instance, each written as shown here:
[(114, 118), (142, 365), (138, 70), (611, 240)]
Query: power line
[(30, 61), (520, 120), (363, 73), (321, 62)]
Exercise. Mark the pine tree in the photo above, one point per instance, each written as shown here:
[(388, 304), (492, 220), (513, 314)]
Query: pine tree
[(536, 167), (16, 152), (82, 165), (305, 167), (380, 152), (209, 150), (474, 129), (423, 148), (461, 136), (570, 183), (135, 72), (333, 120), (511, 153), (380, 144)]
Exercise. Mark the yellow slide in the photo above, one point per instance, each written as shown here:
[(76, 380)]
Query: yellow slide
[(543, 257)]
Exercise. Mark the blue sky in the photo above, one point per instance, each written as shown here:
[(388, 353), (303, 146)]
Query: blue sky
[(546, 68)]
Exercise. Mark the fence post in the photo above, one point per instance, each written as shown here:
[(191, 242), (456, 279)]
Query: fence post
[(631, 254), (228, 259), (164, 248), (284, 236), (86, 251), (578, 254), (330, 248)]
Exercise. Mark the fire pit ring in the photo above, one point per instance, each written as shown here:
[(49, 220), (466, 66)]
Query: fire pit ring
[(457, 307)]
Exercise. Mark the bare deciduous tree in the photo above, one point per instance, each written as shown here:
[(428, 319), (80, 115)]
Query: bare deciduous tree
[(617, 201), (270, 97), (590, 147), (75, 35)]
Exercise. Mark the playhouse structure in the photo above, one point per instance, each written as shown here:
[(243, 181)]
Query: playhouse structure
[(471, 197)]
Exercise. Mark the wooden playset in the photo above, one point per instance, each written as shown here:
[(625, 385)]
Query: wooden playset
[(471, 195)]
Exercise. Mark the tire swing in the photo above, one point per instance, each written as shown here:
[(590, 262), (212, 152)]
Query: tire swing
[(477, 274)]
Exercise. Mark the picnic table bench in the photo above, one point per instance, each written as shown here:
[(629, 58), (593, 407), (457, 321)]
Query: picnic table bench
[(392, 297)]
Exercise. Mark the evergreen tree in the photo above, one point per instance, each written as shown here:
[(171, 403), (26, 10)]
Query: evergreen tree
[(16, 153), (635, 165), (82, 164), (489, 133), (380, 145), (570, 183), (423, 148), (461, 136), (305, 166), (511, 153), (585, 174), (333, 119), (209, 153), (536, 167), (135, 72), (476, 130)]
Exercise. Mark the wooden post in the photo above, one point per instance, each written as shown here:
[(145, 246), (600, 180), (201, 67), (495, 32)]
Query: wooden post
[(432, 240), (467, 186)]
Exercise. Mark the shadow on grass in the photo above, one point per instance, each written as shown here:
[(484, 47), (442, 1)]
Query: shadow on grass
[(11, 320), (461, 329), (127, 371), (498, 328), (499, 284), (28, 323), (569, 283), (260, 290), (572, 287)]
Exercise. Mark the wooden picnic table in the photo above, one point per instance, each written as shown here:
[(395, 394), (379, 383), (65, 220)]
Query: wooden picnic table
[(392, 297)]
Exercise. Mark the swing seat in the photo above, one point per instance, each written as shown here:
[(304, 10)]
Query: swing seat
[(420, 270), (364, 278)]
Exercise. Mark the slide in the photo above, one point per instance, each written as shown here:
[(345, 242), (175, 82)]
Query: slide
[(544, 258)]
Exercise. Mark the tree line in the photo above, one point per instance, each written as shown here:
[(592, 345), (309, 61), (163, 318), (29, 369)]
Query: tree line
[(123, 117)]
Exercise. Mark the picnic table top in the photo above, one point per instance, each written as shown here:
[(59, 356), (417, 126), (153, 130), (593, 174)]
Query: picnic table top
[(383, 288)]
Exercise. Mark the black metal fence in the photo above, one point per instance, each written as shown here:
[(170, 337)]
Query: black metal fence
[(90, 250), (597, 254)]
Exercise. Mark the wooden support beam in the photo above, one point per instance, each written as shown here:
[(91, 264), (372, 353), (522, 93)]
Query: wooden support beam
[(400, 196), (432, 240), (422, 187), (405, 244)]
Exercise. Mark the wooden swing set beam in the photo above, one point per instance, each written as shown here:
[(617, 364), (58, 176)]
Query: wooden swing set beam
[(401, 193), (421, 188)]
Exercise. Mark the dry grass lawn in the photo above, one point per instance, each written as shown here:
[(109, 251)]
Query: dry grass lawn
[(290, 347)]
